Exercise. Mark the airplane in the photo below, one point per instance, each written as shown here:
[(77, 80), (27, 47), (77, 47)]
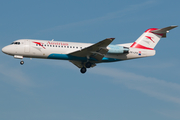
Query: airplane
[(87, 55)]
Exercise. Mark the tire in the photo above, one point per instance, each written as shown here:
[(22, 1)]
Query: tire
[(83, 70), (88, 65), (22, 62)]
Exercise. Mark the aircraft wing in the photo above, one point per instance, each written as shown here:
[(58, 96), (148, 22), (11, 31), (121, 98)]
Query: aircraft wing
[(96, 51)]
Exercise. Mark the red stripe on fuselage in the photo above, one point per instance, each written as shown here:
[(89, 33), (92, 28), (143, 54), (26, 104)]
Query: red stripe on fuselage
[(136, 45), (39, 44)]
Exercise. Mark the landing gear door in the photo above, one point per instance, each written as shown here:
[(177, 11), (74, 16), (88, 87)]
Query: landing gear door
[(27, 46)]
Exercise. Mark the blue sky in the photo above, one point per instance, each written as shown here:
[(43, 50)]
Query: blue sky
[(147, 88)]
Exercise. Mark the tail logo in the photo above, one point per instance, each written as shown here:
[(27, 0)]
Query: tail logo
[(151, 38)]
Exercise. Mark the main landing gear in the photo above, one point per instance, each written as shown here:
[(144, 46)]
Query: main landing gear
[(83, 70), (87, 65)]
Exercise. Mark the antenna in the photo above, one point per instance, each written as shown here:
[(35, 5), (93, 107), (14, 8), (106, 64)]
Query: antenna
[(52, 39)]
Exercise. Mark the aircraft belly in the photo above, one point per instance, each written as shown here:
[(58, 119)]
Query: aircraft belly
[(83, 59), (68, 57), (117, 56)]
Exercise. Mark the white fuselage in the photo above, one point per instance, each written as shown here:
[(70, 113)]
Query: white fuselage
[(59, 50)]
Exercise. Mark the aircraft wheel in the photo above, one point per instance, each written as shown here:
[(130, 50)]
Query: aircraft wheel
[(22, 62), (83, 70), (88, 65)]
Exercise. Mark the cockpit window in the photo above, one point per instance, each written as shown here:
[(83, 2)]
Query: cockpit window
[(17, 43)]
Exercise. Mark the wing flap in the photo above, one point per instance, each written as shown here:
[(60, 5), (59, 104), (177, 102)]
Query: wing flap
[(98, 56), (103, 50)]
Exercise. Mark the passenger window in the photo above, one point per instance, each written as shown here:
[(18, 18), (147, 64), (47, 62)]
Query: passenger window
[(62, 46), (70, 46), (36, 44), (67, 46), (73, 47), (76, 47), (50, 45)]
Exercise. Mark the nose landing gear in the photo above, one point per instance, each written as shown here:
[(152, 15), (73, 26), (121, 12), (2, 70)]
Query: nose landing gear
[(19, 57), (22, 62)]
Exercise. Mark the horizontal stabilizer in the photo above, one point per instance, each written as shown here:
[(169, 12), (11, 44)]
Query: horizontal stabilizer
[(163, 31)]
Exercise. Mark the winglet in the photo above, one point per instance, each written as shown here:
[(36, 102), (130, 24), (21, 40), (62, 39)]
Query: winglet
[(111, 39)]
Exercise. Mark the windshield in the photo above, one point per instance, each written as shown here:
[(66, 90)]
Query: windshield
[(17, 43)]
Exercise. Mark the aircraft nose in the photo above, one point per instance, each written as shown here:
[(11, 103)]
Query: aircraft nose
[(4, 50)]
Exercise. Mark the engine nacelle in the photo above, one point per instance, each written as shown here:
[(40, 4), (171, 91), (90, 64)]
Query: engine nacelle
[(114, 49)]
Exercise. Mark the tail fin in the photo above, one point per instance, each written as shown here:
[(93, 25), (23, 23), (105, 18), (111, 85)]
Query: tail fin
[(150, 38)]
